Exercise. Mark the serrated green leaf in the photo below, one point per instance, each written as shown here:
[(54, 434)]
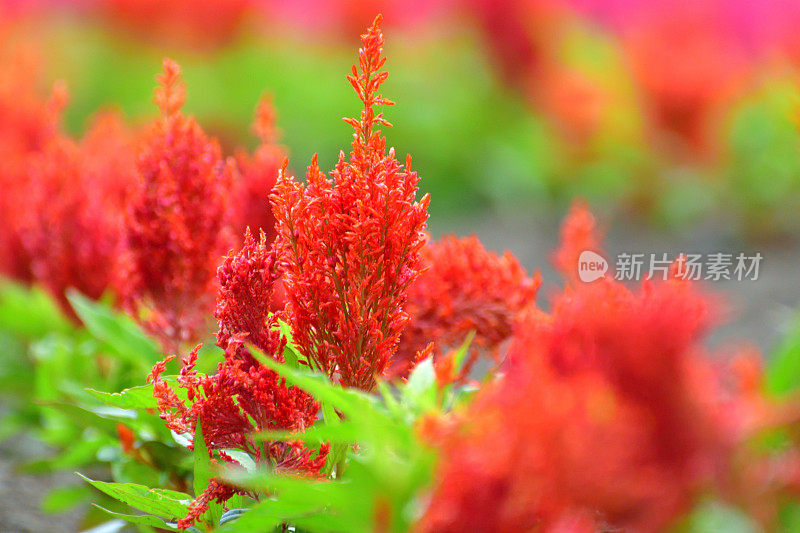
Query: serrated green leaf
[(160, 502)]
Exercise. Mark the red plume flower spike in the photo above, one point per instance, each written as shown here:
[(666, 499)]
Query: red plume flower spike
[(609, 416), (28, 123), (463, 287), (73, 229), (244, 397), (349, 246), (176, 228)]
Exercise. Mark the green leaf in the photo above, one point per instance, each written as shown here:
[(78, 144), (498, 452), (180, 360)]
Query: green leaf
[(291, 354), (140, 397), (264, 516), (783, 373), (421, 389), (63, 499), (349, 402), (30, 312), (147, 520), (116, 330), (202, 463), (714, 516), (160, 502), (203, 473), (462, 352), (345, 432)]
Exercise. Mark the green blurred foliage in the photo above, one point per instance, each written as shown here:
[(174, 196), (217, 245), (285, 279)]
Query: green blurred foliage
[(764, 158), (449, 111)]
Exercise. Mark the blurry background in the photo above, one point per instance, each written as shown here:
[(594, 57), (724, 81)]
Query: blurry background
[(677, 121)]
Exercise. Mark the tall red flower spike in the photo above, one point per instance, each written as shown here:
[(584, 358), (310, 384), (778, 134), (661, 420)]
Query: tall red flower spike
[(109, 147), (257, 176), (349, 246), (243, 397), (609, 416), (28, 122), (176, 229), (72, 230), (463, 287), (579, 234)]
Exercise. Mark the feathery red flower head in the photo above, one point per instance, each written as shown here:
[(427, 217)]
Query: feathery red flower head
[(232, 405), (72, 229), (28, 123), (463, 287), (349, 246), (244, 397), (608, 416), (200, 24), (176, 229), (579, 233)]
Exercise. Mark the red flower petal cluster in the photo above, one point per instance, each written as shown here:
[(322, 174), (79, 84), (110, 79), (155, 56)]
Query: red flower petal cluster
[(216, 491), (608, 416), (463, 287), (258, 174), (63, 201), (578, 234), (28, 123), (72, 228), (176, 228), (686, 95), (349, 246), (243, 397), (196, 23)]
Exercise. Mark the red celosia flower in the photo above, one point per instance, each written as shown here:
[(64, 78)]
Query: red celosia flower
[(578, 234), (608, 416), (28, 123), (72, 229), (462, 288), (243, 397), (246, 283), (688, 64), (345, 17), (176, 230), (257, 176), (349, 245), (216, 491), (127, 439), (240, 400), (109, 149), (196, 23), (521, 33)]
